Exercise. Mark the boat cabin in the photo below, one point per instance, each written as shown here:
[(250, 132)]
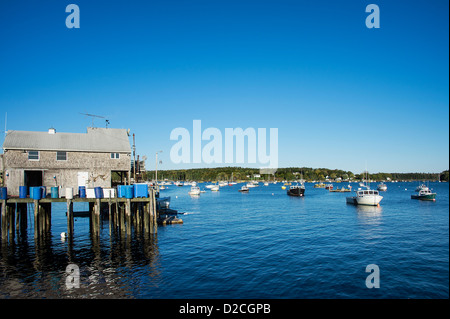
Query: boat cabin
[(367, 192)]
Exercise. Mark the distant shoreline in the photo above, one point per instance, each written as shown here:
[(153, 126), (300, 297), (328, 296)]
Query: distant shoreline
[(289, 174)]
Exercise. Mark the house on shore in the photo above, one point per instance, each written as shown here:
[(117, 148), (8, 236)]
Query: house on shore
[(60, 159)]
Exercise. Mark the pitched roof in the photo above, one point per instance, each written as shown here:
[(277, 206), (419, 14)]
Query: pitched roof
[(95, 140)]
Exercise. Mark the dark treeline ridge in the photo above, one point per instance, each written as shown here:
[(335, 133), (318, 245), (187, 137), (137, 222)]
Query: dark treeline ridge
[(290, 173)]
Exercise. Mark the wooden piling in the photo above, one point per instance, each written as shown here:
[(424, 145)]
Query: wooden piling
[(11, 212), (36, 218), (69, 218), (4, 221)]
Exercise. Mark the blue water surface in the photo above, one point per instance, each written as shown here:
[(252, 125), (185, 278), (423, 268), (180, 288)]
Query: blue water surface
[(263, 244)]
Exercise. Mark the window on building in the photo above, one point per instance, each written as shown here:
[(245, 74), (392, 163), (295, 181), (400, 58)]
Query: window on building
[(115, 155), (61, 156), (33, 155)]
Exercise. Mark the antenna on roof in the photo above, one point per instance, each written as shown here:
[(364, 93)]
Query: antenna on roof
[(94, 116)]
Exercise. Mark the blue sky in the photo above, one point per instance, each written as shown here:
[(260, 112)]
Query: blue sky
[(341, 95)]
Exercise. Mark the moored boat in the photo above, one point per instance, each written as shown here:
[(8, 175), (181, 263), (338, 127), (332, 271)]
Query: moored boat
[(195, 190), (296, 190), (243, 189), (424, 194), (382, 187), (365, 197)]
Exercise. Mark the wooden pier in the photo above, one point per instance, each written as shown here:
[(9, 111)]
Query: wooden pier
[(123, 213)]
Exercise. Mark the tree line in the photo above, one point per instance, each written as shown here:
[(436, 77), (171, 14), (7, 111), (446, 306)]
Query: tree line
[(290, 174)]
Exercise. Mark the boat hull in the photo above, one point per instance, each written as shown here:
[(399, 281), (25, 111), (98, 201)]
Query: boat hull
[(369, 200), (424, 197), (366, 200), (299, 192)]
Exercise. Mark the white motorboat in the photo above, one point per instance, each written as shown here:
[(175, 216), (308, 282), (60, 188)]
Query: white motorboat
[(382, 187), (195, 190), (422, 187), (244, 189), (215, 188), (365, 197)]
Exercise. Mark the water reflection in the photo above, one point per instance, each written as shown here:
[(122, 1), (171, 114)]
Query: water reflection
[(371, 218), (110, 265)]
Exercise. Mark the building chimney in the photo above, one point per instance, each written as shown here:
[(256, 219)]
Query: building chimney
[(51, 131)]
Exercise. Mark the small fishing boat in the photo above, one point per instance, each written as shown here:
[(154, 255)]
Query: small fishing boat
[(341, 190), (243, 189), (296, 190), (329, 186), (424, 194), (365, 197), (382, 187), (163, 202), (195, 190), (421, 187), (215, 188)]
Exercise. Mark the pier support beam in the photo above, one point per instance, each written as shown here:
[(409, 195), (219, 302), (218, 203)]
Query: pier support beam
[(36, 218), (4, 220), (69, 218)]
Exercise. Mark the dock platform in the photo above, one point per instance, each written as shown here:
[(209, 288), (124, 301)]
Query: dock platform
[(123, 214)]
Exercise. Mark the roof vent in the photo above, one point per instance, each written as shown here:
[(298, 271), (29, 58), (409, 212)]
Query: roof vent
[(51, 131)]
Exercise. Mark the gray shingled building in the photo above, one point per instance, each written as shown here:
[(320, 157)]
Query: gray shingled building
[(65, 159)]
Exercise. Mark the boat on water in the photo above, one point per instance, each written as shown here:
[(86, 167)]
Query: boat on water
[(320, 185), (366, 196), (244, 189), (178, 183), (215, 188), (424, 194), (329, 186), (382, 187), (296, 190), (195, 190), (252, 184), (341, 190), (163, 202), (421, 187), (266, 183)]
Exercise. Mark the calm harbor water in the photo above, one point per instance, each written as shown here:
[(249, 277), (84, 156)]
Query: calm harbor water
[(263, 244)]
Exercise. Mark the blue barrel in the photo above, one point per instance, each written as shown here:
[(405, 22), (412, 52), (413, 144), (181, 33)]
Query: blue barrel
[(98, 192), (44, 192), (82, 191), (3, 193), (120, 191), (140, 190), (36, 193), (129, 191), (55, 192), (22, 192)]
